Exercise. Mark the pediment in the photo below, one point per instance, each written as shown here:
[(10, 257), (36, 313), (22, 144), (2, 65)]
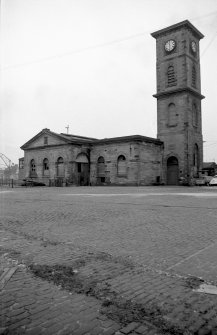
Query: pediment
[(44, 139)]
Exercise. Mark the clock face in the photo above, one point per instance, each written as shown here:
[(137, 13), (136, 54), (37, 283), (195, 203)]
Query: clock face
[(193, 46), (170, 45)]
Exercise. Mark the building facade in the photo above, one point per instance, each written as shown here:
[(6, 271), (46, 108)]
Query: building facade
[(174, 157)]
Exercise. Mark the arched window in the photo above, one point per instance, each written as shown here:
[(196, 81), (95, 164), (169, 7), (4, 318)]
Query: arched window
[(101, 167), (195, 115), (32, 166), (171, 80), (60, 167), (33, 169), (194, 76), (122, 166), (172, 115), (45, 166)]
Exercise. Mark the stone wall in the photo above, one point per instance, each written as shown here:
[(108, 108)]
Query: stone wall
[(143, 163), (67, 152)]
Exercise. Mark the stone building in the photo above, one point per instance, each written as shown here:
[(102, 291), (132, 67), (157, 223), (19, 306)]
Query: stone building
[(174, 157)]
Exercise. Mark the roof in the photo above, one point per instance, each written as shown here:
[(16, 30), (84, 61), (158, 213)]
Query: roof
[(130, 138), (77, 139), (176, 26), (68, 138)]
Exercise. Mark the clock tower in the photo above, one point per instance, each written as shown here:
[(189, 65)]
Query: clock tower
[(179, 97)]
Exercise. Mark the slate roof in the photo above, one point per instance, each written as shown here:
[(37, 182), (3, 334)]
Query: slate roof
[(77, 139)]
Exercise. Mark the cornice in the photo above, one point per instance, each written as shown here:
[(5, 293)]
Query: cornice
[(179, 90)]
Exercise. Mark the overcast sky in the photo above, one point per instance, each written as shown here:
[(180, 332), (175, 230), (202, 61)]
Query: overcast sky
[(90, 64)]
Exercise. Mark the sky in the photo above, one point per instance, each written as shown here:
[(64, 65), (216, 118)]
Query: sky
[(91, 64)]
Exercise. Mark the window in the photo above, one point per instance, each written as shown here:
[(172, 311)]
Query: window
[(32, 173), (32, 166), (193, 76), (172, 115), (101, 167), (122, 166), (60, 167), (45, 140), (171, 80), (46, 164), (21, 164), (45, 167)]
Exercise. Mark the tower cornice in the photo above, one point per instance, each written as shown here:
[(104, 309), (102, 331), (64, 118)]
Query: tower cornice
[(176, 26), (179, 90)]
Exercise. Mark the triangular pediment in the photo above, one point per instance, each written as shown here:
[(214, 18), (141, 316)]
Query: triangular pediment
[(44, 139)]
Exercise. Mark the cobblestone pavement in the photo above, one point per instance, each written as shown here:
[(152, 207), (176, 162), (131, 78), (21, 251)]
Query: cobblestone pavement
[(108, 260)]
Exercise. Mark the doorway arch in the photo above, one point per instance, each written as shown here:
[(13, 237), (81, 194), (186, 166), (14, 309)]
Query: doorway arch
[(83, 169), (172, 171)]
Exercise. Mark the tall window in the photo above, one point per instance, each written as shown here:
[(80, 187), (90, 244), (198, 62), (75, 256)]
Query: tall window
[(172, 115), (194, 76), (32, 166), (21, 164), (101, 167), (122, 166), (171, 79), (45, 166), (45, 140), (32, 169), (60, 167)]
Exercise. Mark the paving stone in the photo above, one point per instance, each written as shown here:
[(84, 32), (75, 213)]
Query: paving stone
[(141, 329), (159, 237), (131, 326)]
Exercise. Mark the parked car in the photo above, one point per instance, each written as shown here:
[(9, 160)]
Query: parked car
[(213, 181), (200, 182), (203, 180), (31, 182)]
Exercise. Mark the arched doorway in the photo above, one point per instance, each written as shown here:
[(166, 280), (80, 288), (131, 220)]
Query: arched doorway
[(83, 169), (172, 171)]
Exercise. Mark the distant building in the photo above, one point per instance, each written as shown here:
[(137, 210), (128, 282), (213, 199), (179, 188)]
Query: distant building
[(174, 157)]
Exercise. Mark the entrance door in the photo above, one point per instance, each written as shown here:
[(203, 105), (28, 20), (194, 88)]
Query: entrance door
[(172, 171), (83, 172)]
